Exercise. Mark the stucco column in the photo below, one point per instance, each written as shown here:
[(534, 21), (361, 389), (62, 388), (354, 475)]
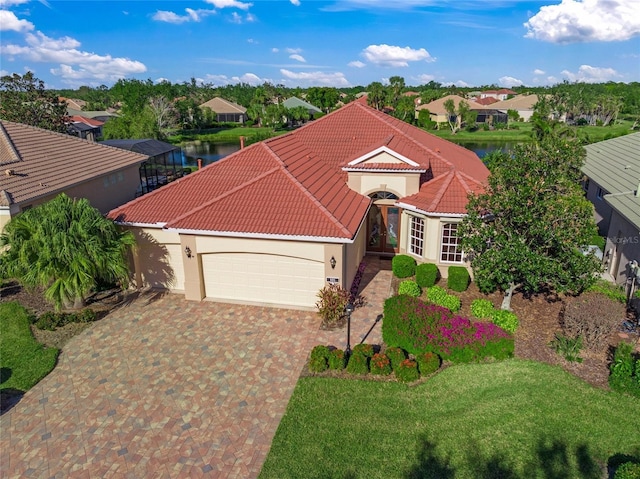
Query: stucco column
[(193, 278)]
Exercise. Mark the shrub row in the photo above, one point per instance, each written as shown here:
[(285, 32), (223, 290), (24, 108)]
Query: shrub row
[(625, 370), (364, 360), (404, 266), (50, 320), (418, 327), (439, 296)]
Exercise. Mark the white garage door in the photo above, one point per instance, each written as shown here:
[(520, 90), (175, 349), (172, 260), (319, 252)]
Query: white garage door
[(262, 278)]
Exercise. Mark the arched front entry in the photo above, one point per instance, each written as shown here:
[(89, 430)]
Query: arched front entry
[(383, 224)]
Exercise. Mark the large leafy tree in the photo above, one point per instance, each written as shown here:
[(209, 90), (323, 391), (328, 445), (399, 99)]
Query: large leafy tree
[(526, 230), (24, 99), (67, 247)]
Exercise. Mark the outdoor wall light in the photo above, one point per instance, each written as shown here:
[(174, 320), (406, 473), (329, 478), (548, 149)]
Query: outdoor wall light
[(187, 251), (332, 262)]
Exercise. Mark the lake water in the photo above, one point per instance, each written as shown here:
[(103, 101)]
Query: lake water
[(211, 152)]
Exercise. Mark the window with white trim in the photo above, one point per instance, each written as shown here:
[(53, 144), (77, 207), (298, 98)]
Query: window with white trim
[(416, 235), (450, 249)]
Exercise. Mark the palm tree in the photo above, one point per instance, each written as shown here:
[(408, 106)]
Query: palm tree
[(67, 247)]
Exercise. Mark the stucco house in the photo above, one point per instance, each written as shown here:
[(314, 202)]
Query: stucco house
[(523, 104), (501, 94), (36, 165), (226, 111), (276, 221), (612, 184), (294, 102)]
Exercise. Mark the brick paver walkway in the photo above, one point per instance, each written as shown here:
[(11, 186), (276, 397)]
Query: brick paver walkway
[(165, 387)]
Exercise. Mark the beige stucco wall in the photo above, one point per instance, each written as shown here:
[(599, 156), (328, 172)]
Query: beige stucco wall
[(623, 245), (153, 263), (400, 184), (432, 241)]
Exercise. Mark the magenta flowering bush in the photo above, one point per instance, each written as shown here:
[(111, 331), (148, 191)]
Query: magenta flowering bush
[(419, 327)]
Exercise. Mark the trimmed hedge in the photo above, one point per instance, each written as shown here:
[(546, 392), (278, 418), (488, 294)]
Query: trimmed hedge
[(482, 308), (318, 361), (403, 266), (628, 470), (438, 295), (396, 356), (426, 275), (365, 349), (458, 279), (380, 364), (505, 319), (358, 363), (419, 327), (428, 363), (337, 360), (407, 371), (410, 288)]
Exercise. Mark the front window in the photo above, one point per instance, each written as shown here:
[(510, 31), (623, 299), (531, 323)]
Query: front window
[(416, 236), (451, 252)]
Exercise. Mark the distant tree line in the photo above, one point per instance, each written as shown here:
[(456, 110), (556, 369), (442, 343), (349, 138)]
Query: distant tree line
[(149, 109)]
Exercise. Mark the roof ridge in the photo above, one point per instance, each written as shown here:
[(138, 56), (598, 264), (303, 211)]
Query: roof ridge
[(308, 194), (447, 179)]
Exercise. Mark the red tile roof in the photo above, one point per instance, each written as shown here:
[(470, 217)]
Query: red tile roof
[(295, 185)]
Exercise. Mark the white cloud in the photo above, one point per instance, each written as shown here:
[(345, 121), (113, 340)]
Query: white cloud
[(230, 3), (250, 78), (293, 50), (357, 64), (508, 82), (274, 50), (295, 2), (9, 21), (589, 74), (237, 18), (64, 51), (537, 71), (336, 79), (297, 57), (585, 21), (459, 83), (425, 78), (8, 3), (251, 18), (394, 56), (161, 80), (191, 16), (252, 41)]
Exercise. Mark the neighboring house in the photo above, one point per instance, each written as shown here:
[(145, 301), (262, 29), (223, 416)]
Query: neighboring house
[(86, 128), (276, 221), (164, 163), (226, 111), (36, 165), (73, 103), (501, 94), (612, 184), (523, 104), (294, 102), (98, 115), (485, 101), (439, 114)]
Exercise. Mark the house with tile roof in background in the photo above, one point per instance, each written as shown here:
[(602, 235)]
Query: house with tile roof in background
[(36, 165), (612, 184), (226, 111), (294, 102), (276, 221)]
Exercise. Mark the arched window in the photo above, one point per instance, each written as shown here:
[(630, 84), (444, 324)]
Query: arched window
[(383, 195)]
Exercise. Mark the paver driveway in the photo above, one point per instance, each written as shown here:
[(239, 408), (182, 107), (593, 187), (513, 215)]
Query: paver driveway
[(165, 387)]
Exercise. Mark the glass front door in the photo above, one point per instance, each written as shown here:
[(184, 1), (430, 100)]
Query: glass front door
[(383, 228)]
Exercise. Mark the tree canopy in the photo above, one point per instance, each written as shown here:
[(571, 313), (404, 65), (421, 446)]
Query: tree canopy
[(24, 99), (527, 229), (67, 247)]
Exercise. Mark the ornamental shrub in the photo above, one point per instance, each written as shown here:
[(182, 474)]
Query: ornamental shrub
[(458, 279), (628, 470), (380, 364), (426, 275), (396, 356), (357, 364), (624, 370), (409, 287), (436, 294), (593, 316), (337, 360), (428, 363), (482, 308), (332, 300), (418, 327), (407, 371), (505, 319), (451, 302), (612, 291), (318, 360), (365, 349), (320, 351), (403, 266)]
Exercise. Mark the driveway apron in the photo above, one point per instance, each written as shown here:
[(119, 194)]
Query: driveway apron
[(164, 387)]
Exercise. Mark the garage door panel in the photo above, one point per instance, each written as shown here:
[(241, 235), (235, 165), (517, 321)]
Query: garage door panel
[(262, 278)]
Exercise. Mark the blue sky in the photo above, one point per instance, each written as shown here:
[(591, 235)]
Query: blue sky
[(322, 43)]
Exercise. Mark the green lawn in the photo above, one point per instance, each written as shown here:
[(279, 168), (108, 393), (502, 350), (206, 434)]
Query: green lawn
[(23, 361), (224, 135), (513, 419)]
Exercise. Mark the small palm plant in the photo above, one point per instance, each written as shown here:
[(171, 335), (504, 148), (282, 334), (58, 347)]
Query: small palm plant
[(67, 247)]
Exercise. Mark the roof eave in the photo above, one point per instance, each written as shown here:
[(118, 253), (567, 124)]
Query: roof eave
[(407, 206), (268, 236)]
